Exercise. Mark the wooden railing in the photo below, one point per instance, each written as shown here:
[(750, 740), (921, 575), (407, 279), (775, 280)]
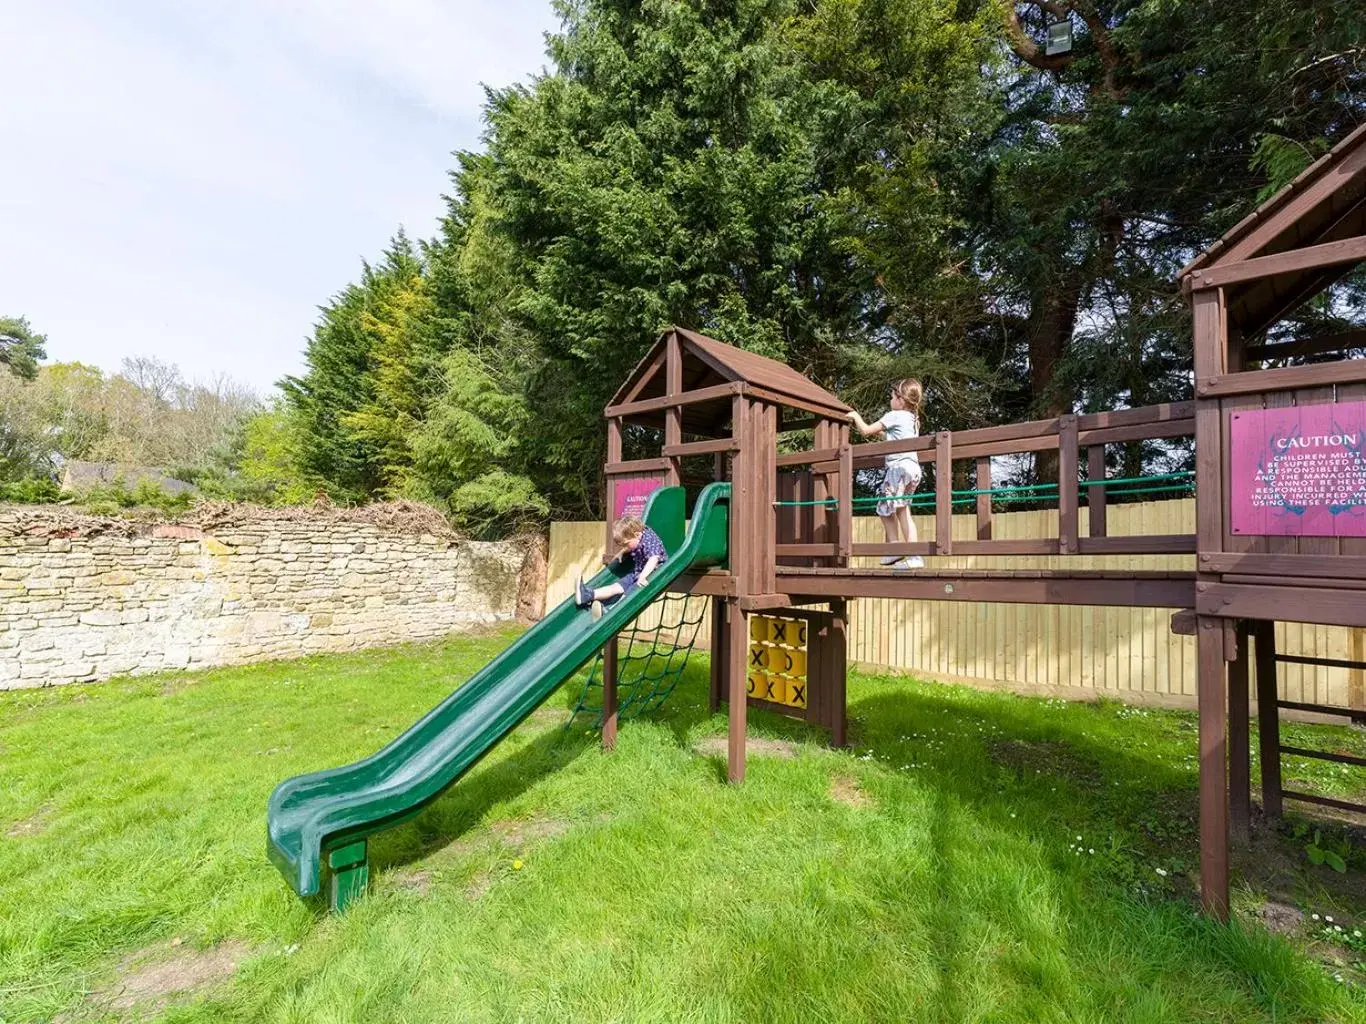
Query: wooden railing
[(1067, 435)]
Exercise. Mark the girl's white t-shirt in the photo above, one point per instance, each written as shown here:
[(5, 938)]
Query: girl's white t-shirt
[(898, 424)]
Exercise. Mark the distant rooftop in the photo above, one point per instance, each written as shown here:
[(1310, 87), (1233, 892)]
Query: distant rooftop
[(82, 476)]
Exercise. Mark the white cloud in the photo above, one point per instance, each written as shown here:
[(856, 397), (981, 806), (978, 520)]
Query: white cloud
[(191, 181)]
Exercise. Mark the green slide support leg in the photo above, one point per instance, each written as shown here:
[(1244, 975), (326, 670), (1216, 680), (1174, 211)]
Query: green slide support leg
[(350, 874)]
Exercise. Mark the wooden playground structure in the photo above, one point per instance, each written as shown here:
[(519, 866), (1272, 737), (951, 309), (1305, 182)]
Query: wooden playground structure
[(1280, 483)]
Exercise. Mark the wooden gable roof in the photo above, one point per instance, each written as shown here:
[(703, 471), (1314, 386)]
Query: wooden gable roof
[(1325, 203), (708, 363)]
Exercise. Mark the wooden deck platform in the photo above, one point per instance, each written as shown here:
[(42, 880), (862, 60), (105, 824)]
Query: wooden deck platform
[(1012, 586)]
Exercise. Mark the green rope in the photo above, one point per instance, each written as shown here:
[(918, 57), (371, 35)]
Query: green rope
[(649, 665)]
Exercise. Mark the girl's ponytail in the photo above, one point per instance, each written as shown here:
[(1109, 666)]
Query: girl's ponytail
[(912, 394)]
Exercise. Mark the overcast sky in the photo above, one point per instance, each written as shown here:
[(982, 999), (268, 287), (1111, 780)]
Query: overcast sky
[(191, 180)]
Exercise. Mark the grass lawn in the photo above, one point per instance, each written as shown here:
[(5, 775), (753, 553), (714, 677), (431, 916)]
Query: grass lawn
[(973, 857)]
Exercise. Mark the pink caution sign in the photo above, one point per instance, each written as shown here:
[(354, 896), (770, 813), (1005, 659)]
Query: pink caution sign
[(1299, 471), (631, 494)]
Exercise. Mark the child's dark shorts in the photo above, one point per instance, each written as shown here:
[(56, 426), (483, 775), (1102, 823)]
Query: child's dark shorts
[(631, 580)]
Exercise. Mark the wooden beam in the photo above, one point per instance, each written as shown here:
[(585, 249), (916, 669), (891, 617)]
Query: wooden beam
[(673, 415), (1144, 414), (1326, 254), (719, 445), (636, 466), (1322, 801), (925, 586), (711, 394), (983, 510), (1156, 544), (1285, 378), (1239, 745), (706, 584), (763, 602), (1268, 717), (1095, 496), (720, 659), (1322, 345), (943, 493), (613, 458), (789, 459), (845, 492), (1324, 606), (1350, 567), (1139, 432), (1294, 208), (655, 364), (807, 550), (1212, 689), (1359, 717), (1067, 484), (737, 641), (829, 412)]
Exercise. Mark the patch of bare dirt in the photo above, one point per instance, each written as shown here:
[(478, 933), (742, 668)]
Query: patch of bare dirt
[(519, 833), (1280, 918), (417, 882), (719, 746), (1045, 757), (153, 978), (479, 885), (35, 823), (846, 791), (550, 716)]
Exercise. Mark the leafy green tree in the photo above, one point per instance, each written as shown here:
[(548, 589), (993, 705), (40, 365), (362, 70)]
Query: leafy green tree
[(349, 454), (21, 348)]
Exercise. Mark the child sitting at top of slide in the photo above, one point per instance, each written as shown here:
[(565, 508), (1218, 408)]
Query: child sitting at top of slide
[(642, 546), (903, 471)]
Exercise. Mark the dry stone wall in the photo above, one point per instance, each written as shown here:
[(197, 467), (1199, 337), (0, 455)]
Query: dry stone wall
[(85, 598)]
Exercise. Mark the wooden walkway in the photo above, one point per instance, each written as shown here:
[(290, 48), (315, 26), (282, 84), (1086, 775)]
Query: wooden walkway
[(1098, 587)]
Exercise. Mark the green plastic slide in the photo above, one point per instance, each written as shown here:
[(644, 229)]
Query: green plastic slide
[(329, 814)]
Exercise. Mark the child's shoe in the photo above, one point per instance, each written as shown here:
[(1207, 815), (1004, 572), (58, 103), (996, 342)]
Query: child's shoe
[(911, 562), (597, 610), (890, 559), (583, 597)]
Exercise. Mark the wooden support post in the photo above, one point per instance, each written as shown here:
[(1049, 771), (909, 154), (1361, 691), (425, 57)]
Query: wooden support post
[(719, 656), (1067, 485), (736, 665), (742, 510), (613, 456), (673, 416), (1268, 718), (1239, 745), (943, 493), (837, 669), (820, 491), (765, 449), (1213, 767), (1095, 496), (846, 497), (609, 695), (983, 500)]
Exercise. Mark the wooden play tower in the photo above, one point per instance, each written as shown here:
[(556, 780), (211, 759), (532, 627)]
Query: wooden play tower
[(1280, 477)]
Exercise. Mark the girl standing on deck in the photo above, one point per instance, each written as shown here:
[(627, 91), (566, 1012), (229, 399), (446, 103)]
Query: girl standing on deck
[(902, 475)]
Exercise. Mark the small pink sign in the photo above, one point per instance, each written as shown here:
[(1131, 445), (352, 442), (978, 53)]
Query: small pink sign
[(631, 494), (1299, 471)]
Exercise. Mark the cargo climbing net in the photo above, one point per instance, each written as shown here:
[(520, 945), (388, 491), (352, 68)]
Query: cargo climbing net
[(651, 658)]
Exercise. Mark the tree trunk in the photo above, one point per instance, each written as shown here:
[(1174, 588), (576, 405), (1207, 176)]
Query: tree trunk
[(1050, 327)]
